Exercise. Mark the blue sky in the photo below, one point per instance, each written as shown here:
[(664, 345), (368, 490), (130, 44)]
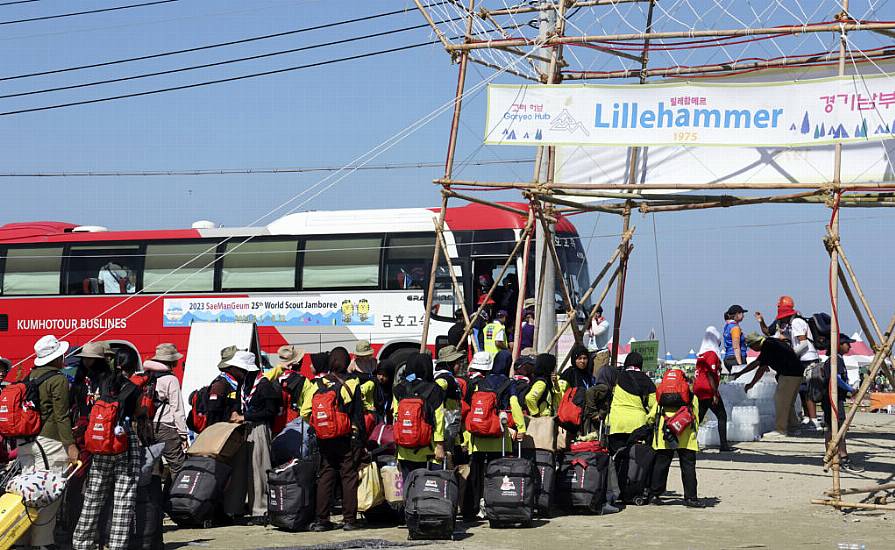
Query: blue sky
[(328, 116)]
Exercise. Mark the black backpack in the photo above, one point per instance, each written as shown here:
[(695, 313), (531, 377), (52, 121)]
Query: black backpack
[(819, 325)]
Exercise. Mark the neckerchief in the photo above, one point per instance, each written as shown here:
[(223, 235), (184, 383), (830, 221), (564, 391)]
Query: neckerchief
[(230, 380), (246, 399)]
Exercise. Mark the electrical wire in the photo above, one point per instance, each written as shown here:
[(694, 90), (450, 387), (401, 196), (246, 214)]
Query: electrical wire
[(211, 46), (73, 14), (214, 64), (248, 171), (218, 81), (17, 2)]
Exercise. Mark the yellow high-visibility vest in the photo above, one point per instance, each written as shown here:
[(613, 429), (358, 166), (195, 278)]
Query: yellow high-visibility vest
[(494, 332)]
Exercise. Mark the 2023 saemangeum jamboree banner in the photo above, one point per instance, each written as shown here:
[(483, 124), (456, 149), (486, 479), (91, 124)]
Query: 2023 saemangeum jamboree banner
[(781, 114)]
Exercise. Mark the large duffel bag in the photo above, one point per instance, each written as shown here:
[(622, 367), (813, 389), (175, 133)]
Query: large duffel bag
[(430, 504), (581, 481), (511, 490), (220, 441), (297, 440), (291, 492), (196, 491)]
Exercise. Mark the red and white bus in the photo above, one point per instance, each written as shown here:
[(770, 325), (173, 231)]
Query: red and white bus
[(314, 279)]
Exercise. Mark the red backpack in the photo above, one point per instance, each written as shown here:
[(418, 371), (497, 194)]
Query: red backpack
[(483, 418), (571, 408), (20, 407), (291, 384), (328, 412), (148, 401), (105, 434), (674, 390), (415, 420), (679, 422)]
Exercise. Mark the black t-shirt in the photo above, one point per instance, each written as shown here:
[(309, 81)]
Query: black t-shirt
[(777, 355), (454, 334)]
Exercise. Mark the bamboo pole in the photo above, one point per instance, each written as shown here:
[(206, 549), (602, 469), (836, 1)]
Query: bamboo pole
[(859, 505), (833, 449), (593, 286), (727, 202), (448, 169), (867, 489), (504, 69), (761, 31), (571, 187), (875, 365), (583, 3), (860, 292), (804, 60), (506, 265), (441, 36), (566, 295), (546, 197), (612, 280), (540, 296), (522, 279), (484, 202), (458, 289)]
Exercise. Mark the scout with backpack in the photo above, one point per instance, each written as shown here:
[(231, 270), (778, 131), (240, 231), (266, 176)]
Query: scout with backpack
[(415, 418), (673, 393), (20, 407), (292, 384), (329, 413)]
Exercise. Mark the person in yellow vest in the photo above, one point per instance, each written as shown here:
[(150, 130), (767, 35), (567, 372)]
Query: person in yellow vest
[(496, 334)]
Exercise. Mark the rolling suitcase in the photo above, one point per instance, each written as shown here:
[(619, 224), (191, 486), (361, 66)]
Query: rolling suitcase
[(546, 464), (146, 533), (291, 496), (634, 465), (430, 504), (196, 491), (582, 480), (15, 519), (511, 490)]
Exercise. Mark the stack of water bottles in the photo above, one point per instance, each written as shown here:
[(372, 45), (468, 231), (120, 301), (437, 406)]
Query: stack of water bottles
[(748, 415)]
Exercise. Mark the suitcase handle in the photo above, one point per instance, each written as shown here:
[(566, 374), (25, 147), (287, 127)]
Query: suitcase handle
[(72, 470)]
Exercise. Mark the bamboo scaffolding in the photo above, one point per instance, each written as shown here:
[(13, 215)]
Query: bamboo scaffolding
[(593, 286), (762, 31), (540, 297), (726, 202), (868, 489), (520, 300), (580, 4), (566, 296), (733, 66), (836, 503), (593, 312), (458, 289), (879, 337), (569, 188), (529, 226), (878, 359)]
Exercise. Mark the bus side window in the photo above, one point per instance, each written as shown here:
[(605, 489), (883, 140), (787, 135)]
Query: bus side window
[(407, 262), (32, 271), (95, 270)]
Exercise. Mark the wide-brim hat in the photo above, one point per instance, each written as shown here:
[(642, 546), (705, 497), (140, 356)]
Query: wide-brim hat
[(785, 311), (449, 354), (227, 354), (244, 360), (92, 350), (754, 338), (363, 349), (47, 349), (290, 355), (167, 352), (481, 361)]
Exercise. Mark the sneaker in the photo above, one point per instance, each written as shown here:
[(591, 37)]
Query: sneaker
[(774, 435), (352, 526), (849, 466), (693, 503), (818, 425), (609, 509), (806, 421), (657, 501), (322, 526)]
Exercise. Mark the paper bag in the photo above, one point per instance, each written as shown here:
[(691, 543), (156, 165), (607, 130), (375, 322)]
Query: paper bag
[(220, 441), (540, 433), (369, 488)]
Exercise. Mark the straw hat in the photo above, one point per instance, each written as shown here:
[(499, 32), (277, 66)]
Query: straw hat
[(449, 354), (244, 360), (47, 349), (167, 352)]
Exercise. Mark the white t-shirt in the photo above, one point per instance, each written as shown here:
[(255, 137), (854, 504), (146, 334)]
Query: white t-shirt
[(599, 335), (799, 327)]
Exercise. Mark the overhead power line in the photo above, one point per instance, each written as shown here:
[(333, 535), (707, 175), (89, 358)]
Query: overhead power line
[(17, 2), (249, 171), (214, 64), (212, 46), (218, 81), (73, 14)]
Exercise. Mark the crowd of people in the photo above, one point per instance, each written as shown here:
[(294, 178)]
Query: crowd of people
[(438, 410)]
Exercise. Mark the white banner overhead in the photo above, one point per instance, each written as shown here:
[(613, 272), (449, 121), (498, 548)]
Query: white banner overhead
[(768, 114)]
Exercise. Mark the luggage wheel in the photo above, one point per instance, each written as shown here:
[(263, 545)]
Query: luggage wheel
[(640, 501)]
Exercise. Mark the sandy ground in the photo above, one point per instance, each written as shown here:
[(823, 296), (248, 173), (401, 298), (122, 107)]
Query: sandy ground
[(757, 498)]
